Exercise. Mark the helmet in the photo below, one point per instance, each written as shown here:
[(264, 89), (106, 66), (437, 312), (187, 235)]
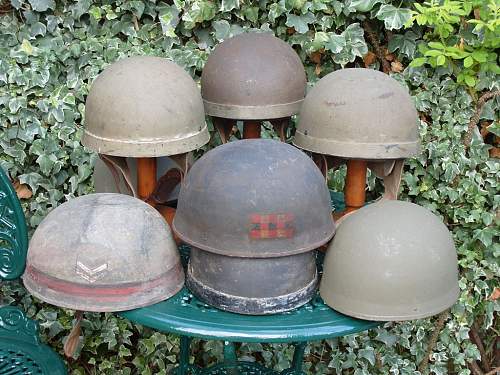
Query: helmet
[(253, 76), (391, 260), (144, 106), (253, 210), (252, 286), (359, 114), (103, 252), (238, 186)]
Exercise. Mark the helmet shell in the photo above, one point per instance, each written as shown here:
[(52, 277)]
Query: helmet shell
[(103, 252), (253, 76), (253, 286), (391, 260), (359, 114), (144, 106), (254, 198)]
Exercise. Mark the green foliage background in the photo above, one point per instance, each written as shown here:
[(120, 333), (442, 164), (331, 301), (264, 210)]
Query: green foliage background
[(50, 52)]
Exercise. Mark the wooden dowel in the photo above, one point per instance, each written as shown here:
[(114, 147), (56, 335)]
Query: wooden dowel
[(251, 129), (355, 185), (146, 177)]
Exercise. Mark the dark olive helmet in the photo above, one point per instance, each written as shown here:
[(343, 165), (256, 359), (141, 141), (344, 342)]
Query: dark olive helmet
[(103, 252), (391, 260), (144, 106), (253, 211), (359, 114), (253, 76), (254, 198)]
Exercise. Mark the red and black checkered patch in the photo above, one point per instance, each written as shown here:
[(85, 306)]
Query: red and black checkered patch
[(271, 226)]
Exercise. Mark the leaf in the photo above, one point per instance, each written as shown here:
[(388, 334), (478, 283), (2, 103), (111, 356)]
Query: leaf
[(396, 66), (468, 62), (22, 190), (228, 5), (419, 61), (469, 80), (42, 5), (441, 59), (480, 56), (221, 29), (355, 45), (369, 59), (335, 43), (300, 23), (394, 18), (362, 5), (405, 43), (26, 47), (495, 295)]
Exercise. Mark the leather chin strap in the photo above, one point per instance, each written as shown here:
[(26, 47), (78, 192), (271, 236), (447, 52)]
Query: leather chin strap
[(224, 128), (119, 169), (280, 126), (390, 171), (165, 185)]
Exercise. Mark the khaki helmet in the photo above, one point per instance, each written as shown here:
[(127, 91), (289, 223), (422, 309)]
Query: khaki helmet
[(253, 76), (358, 114), (103, 252), (144, 106), (253, 211), (391, 260)]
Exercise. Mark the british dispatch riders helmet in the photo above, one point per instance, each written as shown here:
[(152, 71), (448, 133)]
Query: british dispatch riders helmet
[(358, 114), (391, 260), (253, 211), (253, 76), (144, 106), (103, 252)]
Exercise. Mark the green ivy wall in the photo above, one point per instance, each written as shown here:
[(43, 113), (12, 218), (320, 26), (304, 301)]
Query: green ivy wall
[(51, 51)]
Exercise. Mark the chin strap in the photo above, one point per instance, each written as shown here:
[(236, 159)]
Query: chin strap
[(390, 171), (120, 170), (280, 126), (224, 128), (73, 339)]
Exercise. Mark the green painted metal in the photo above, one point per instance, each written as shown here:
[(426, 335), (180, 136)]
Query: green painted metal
[(184, 314), (21, 351), (188, 317), (13, 232)]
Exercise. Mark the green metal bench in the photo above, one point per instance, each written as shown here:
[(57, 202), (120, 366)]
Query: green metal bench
[(21, 351), (188, 317)]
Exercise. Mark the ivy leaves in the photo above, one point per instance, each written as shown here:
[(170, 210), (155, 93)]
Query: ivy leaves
[(50, 56), (394, 18)]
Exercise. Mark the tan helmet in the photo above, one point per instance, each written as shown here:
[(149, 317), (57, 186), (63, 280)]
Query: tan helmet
[(358, 114), (253, 211), (253, 76), (144, 106), (391, 260), (103, 252)]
